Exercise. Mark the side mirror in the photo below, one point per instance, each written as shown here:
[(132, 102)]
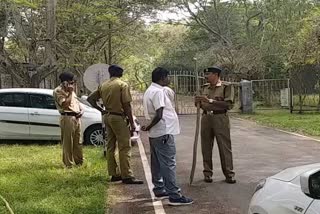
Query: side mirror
[(310, 183)]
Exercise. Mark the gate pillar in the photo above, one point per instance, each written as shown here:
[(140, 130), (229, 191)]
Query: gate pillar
[(246, 97)]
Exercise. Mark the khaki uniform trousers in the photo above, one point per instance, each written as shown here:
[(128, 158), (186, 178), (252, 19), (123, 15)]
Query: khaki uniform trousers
[(71, 140), (118, 131), (216, 126)]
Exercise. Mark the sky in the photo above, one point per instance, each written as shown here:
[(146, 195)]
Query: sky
[(174, 15)]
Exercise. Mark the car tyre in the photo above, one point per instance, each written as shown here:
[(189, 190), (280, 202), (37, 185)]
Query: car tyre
[(93, 136)]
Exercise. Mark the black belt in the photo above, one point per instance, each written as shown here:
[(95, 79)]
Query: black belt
[(115, 113), (69, 113), (215, 112)]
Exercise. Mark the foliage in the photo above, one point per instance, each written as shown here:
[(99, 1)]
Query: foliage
[(250, 39), (45, 39)]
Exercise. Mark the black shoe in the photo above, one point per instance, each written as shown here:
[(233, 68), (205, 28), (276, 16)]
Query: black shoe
[(180, 201), (163, 195), (115, 178), (230, 180), (132, 181), (208, 179)]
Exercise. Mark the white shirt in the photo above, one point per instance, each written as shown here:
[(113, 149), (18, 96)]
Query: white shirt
[(155, 98), (170, 94)]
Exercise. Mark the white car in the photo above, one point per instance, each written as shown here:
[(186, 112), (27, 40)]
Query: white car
[(292, 191), (31, 114)]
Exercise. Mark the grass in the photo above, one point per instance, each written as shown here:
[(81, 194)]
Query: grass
[(33, 180), (306, 123)]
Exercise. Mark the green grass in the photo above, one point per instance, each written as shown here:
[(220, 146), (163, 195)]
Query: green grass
[(306, 123), (33, 180)]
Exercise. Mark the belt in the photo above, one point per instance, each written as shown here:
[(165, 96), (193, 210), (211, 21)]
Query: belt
[(215, 112), (69, 113), (114, 113)]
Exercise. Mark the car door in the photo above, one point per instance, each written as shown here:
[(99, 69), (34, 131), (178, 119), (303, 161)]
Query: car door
[(14, 116), (44, 117), (314, 207)]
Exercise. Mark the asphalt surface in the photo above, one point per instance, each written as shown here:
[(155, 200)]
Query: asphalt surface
[(258, 152)]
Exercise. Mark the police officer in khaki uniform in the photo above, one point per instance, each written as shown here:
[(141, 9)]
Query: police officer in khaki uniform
[(70, 124), (216, 99), (116, 98)]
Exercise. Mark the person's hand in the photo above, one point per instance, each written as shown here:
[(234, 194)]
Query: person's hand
[(200, 99), (80, 114), (219, 98), (132, 129), (205, 106)]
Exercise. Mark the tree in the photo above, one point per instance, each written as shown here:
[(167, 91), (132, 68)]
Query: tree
[(86, 32)]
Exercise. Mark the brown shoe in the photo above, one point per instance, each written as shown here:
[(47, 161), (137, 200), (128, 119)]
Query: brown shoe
[(208, 179), (132, 181), (230, 180)]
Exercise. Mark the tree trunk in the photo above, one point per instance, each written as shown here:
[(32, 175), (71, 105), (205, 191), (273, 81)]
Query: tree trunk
[(51, 32), (110, 45), (35, 81)]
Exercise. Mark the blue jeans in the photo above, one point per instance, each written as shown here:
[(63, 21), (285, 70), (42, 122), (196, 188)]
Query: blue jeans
[(163, 165)]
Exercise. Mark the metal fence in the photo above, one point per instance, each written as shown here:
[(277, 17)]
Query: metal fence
[(271, 94), (300, 93), (7, 81), (305, 101), (184, 85), (50, 82), (305, 89)]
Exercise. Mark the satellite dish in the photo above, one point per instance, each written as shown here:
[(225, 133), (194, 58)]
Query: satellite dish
[(95, 75)]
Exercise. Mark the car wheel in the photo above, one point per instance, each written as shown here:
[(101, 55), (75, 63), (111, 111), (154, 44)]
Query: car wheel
[(93, 136)]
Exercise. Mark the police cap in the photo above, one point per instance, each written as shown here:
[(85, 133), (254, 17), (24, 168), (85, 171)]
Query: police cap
[(213, 69), (66, 76), (115, 69)]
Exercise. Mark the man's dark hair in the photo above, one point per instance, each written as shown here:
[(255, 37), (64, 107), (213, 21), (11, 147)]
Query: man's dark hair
[(159, 74), (66, 76), (115, 71)]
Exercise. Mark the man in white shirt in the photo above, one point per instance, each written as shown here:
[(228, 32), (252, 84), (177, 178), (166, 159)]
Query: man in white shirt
[(164, 124), (170, 93)]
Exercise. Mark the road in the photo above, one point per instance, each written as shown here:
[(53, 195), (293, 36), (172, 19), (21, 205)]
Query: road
[(258, 152)]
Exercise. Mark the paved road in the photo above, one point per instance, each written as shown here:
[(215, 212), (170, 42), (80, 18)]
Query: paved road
[(258, 152)]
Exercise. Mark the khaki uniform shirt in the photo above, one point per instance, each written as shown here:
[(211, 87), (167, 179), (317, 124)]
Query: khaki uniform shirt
[(114, 93), (222, 91), (60, 95)]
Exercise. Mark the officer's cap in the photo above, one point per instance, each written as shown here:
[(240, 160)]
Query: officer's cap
[(66, 76), (115, 68), (213, 69)]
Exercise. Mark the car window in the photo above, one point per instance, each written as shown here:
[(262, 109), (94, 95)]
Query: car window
[(13, 100), (42, 101)]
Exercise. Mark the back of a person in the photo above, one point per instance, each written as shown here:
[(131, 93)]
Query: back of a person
[(111, 95)]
